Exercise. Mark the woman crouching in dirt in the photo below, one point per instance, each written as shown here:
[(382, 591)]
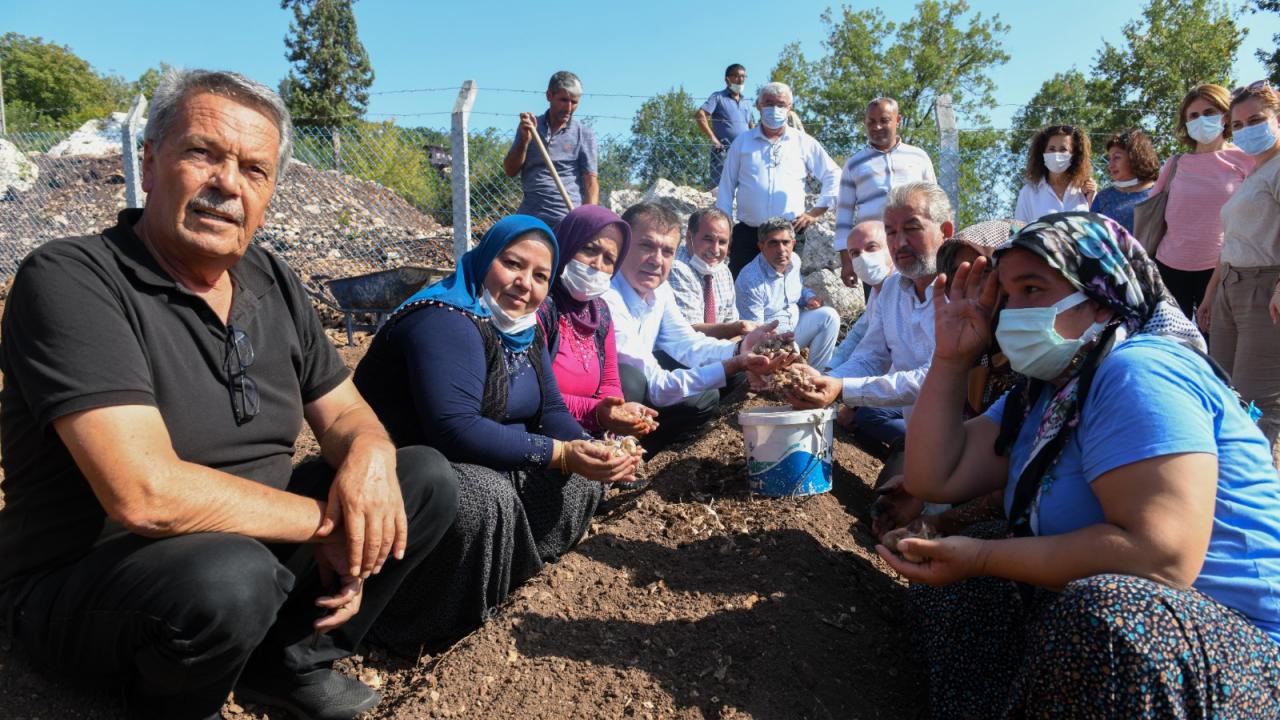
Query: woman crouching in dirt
[(462, 366), (579, 330), (1144, 510)]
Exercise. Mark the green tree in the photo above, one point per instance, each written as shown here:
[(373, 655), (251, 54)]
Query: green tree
[(331, 75), (1174, 46), (1270, 59), (146, 83), (1067, 98), (665, 142), (47, 85), (942, 49)]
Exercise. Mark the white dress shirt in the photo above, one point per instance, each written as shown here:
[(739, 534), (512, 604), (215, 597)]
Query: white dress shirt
[(889, 364), (768, 177), (641, 325), (1037, 200), (765, 295), (867, 178)]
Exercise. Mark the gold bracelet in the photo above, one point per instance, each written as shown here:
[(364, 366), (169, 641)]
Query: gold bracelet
[(564, 459)]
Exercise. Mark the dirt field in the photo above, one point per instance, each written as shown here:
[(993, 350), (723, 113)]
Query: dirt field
[(689, 599)]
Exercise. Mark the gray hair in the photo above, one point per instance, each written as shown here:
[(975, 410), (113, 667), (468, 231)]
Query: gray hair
[(937, 204), (177, 85), (708, 213), (775, 89), (567, 81), (773, 225), (885, 100)]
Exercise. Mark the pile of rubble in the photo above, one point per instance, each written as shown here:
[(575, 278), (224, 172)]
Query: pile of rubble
[(819, 261), (320, 222)]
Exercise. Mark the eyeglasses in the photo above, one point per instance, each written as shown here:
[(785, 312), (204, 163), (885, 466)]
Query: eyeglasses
[(775, 154), (1256, 85), (245, 401)]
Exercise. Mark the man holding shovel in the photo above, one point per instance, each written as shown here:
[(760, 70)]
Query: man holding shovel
[(571, 180)]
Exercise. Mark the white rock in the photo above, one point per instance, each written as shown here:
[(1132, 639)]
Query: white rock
[(620, 200), (681, 198), (818, 252), (16, 171), (847, 301), (95, 138)]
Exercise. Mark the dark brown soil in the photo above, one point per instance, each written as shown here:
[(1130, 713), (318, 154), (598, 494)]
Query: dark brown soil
[(689, 599)]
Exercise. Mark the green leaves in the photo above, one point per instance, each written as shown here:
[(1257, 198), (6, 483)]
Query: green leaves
[(331, 75)]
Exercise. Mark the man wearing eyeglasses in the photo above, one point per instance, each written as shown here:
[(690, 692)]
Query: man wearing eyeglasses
[(156, 535), (764, 173)]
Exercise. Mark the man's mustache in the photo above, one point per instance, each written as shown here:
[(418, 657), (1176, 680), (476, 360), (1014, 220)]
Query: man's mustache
[(215, 202)]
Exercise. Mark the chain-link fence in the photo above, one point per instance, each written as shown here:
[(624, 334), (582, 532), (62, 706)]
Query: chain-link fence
[(373, 196)]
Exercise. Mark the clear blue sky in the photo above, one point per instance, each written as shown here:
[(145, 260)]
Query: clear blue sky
[(622, 48)]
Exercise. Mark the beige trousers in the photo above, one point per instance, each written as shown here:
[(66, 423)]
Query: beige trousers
[(1245, 341)]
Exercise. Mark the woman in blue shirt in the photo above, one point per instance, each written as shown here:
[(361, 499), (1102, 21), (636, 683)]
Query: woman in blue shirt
[(462, 366), (1143, 508), (1134, 167)]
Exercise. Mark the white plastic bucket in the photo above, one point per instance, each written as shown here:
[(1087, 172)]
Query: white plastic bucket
[(788, 451)]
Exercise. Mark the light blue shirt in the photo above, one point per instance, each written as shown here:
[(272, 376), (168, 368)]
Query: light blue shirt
[(765, 295), (1153, 397), (641, 324)]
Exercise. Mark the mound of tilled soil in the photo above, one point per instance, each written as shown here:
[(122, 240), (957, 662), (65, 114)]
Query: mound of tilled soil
[(688, 599)]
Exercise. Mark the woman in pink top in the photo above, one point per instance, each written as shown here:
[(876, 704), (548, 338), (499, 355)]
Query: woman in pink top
[(1202, 182), (592, 240)]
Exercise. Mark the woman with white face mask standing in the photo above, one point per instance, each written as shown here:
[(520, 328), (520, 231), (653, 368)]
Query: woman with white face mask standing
[(1140, 575), (1246, 296), (593, 240), (1203, 180), (1059, 174)]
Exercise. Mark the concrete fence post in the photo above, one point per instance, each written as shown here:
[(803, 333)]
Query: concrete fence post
[(948, 151), (461, 169), (129, 147)]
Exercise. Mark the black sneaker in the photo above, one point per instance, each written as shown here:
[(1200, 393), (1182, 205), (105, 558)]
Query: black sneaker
[(317, 695)]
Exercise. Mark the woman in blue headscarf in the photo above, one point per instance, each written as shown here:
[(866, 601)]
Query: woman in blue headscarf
[(1141, 575), (462, 366)]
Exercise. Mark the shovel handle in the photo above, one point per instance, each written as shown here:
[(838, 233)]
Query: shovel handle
[(546, 158)]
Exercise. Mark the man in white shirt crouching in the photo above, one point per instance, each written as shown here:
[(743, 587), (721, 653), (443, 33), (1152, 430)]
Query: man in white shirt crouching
[(646, 318)]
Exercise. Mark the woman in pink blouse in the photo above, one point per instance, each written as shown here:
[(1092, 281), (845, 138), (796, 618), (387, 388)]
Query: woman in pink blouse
[(1203, 181), (592, 240)]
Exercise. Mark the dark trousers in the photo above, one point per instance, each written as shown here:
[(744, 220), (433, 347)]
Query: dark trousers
[(675, 422), (743, 247), (173, 621), (1186, 286)]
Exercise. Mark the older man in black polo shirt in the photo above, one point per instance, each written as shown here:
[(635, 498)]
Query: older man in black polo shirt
[(156, 535)]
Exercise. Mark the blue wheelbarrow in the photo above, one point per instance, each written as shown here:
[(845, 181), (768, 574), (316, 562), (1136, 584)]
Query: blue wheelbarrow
[(377, 293)]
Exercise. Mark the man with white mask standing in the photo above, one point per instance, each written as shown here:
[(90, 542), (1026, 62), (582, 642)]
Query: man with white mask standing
[(764, 172)]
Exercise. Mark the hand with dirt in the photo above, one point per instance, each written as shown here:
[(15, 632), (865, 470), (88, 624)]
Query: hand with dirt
[(596, 462), (894, 507), (820, 392), (963, 321), (942, 561), (626, 418)]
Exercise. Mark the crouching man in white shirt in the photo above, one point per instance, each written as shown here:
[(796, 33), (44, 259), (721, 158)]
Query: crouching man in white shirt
[(888, 367), (646, 318), (769, 289)]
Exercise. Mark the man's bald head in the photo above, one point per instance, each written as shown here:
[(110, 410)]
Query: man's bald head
[(867, 232)]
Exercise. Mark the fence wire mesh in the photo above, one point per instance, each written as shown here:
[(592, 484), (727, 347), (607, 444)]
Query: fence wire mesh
[(373, 196)]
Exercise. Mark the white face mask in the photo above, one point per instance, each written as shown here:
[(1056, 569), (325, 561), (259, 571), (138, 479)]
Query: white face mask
[(583, 281), (872, 267), (1125, 183), (735, 88), (1057, 162), (702, 267), (1027, 337), (503, 321), (1205, 129), (773, 117)]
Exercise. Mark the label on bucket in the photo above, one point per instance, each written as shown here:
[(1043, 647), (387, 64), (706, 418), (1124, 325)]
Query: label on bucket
[(799, 472)]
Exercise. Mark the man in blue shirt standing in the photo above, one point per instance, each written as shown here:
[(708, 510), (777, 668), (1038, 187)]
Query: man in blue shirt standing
[(724, 116), (571, 145)]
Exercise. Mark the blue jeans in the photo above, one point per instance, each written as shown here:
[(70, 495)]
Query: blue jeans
[(885, 425)]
